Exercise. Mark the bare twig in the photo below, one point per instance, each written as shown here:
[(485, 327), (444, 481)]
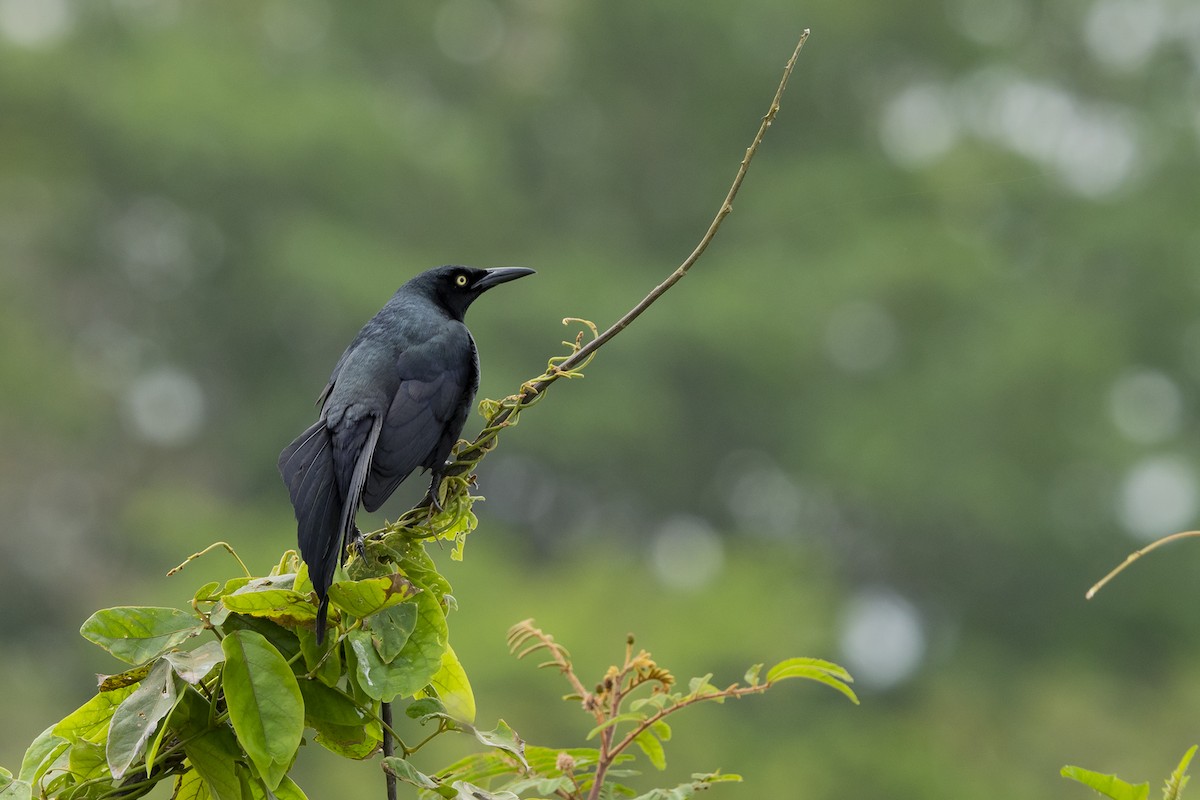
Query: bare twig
[(468, 456), (1132, 557)]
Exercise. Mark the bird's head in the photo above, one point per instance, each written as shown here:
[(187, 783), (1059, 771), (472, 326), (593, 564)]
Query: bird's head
[(456, 287)]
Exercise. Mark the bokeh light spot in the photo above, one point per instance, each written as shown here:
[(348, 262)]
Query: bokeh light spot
[(1158, 497), (687, 553), (35, 23), (882, 638), (918, 126), (860, 337), (164, 406), (1146, 406)]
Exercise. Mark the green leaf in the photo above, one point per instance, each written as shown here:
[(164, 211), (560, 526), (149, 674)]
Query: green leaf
[(659, 700), (46, 748), (265, 705), (390, 629), (194, 666), (814, 669), (453, 688), (503, 738), (700, 781), (288, 790), (371, 595), (342, 727), (122, 679), (1107, 785), (325, 658), (190, 786), (467, 791), (137, 634), (86, 760), (418, 661), (405, 771), (1179, 778), (543, 787), (628, 716), (698, 687), (751, 676), (212, 751), (13, 789), (135, 720), (282, 639), (90, 721), (207, 593), (653, 749), (282, 606)]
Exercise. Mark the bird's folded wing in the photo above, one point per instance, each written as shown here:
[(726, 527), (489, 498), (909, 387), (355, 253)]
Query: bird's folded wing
[(427, 401)]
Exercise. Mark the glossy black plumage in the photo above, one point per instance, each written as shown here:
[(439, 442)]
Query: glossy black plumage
[(397, 400)]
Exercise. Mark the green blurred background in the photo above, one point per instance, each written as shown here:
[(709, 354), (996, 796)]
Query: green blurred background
[(938, 373)]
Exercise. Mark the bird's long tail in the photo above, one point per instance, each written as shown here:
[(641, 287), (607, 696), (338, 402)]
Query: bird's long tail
[(307, 468)]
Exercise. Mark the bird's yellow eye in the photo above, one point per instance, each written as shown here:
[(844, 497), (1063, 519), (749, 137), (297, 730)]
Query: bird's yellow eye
[(461, 280)]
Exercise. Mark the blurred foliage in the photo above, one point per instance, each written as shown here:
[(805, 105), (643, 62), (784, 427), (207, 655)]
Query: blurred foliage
[(945, 352)]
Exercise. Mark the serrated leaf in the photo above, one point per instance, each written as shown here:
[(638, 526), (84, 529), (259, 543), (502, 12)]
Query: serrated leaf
[(137, 634), (453, 688), (90, 721), (418, 661), (265, 704), (44, 750), (282, 606), (1107, 785), (1179, 777), (136, 719), (369, 596), (194, 666), (405, 771), (814, 669), (653, 749)]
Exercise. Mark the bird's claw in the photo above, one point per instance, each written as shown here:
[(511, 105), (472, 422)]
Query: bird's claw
[(359, 543)]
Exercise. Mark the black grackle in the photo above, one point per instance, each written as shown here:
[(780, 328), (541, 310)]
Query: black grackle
[(397, 400)]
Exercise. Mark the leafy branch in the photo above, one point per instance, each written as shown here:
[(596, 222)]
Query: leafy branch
[(218, 698), (629, 704), (1116, 789)]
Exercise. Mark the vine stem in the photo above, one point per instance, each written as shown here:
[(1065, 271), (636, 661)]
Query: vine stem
[(532, 390)]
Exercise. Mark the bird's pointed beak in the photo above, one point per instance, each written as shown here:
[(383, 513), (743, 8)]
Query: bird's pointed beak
[(499, 275)]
